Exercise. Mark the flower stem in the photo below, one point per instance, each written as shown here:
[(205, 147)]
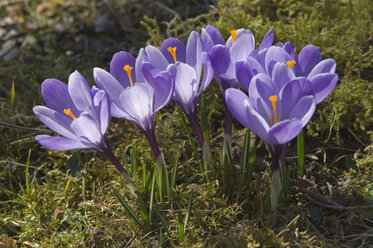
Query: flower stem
[(153, 142), (197, 128)]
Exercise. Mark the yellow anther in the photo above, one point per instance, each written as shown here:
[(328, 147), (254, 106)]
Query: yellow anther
[(290, 63), (274, 112), (69, 113), (128, 69), (172, 50), (234, 35)]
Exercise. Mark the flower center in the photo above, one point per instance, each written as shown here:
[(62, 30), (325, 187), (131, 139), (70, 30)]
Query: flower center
[(69, 113), (274, 112), (128, 69), (172, 50), (290, 63), (234, 35)]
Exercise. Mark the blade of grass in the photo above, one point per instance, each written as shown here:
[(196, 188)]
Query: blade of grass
[(187, 215), (300, 150), (12, 95), (174, 172), (151, 202), (27, 165), (128, 209), (133, 159), (163, 222), (245, 156)]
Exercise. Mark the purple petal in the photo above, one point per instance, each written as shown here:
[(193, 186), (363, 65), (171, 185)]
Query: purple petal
[(242, 47), (117, 63), (60, 143), (220, 59), (186, 87), (281, 74), (108, 83), (56, 96), (163, 89), (323, 84), (102, 107), (138, 102), (80, 92), (156, 57), (194, 53), (180, 50), (87, 130), (240, 32), (59, 123), (307, 59), (141, 58), (267, 40), (304, 109), (291, 93), (239, 105), (215, 35), (325, 66), (290, 50), (274, 55), (207, 42), (260, 90), (243, 75), (208, 73), (284, 131)]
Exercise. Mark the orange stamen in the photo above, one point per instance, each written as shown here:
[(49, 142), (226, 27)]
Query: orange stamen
[(274, 112), (128, 69), (172, 50), (69, 113), (234, 35), (290, 63)]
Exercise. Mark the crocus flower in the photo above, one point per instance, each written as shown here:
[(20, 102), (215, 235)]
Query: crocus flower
[(81, 116), (135, 100), (320, 74), (275, 115), (184, 64)]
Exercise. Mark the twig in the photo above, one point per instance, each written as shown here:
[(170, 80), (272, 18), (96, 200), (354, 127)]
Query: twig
[(131, 240), (4, 124)]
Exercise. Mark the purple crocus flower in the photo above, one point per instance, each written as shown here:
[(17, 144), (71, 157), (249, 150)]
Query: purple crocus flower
[(320, 74), (81, 116), (184, 64), (135, 100), (275, 115)]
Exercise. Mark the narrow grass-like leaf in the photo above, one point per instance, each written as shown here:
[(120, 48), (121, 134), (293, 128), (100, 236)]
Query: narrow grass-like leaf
[(27, 165), (245, 156), (163, 222), (151, 202), (12, 94), (174, 171), (134, 159), (67, 184), (180, 227), (128, 209), (250, 167), (204, 120), (300, 150), (188, 211)]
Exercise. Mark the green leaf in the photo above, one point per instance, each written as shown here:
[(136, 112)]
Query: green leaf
[(128, 209)]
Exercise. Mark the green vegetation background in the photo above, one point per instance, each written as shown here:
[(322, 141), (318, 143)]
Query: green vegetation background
[(71, 203)]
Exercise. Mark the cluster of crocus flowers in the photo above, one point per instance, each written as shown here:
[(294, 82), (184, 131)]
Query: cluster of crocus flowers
[(281, 93)]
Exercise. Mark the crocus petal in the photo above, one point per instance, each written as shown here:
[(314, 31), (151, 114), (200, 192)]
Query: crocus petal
[(56, 96), (194, 53), (117, 63), (186, 86), (290, 50), (240, 32), (281, 74), (239, 105), (61, 143), (207, 42), (163, 89), (180, 50), (59, 123), (141, 58), (307, 59), (242, 47), (208, 73), (243, 75), (291, 93), (80, 92), (260, 90), (215, 35), (325, 66), (102, 107), (284, 131), (108, 83), (274, 55), (156, 57), (323, 84), (267, 40), (304, 109), (220, 59), (138, 102), (87, 130)]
